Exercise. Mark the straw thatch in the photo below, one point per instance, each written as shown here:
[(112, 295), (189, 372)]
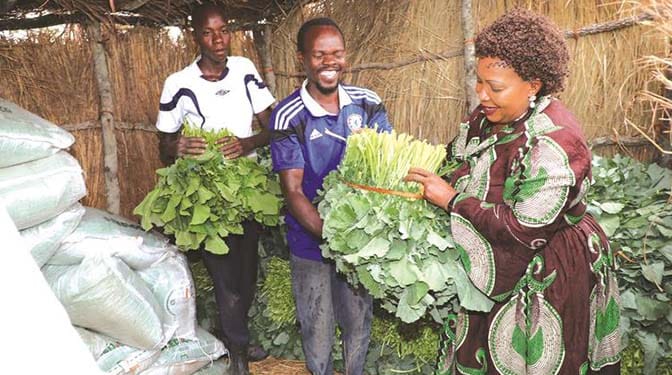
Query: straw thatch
[(658, 70), (428, 98), (51, 74), (26, 14), (56, 81)]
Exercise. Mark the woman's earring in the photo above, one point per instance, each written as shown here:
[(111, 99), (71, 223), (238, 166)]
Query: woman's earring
[(532, 101)]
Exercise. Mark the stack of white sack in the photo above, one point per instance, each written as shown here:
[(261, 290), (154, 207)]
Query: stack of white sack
[(179, 356), (40, 183), (143, 261), (133, 292), (130, 293), (31, 319)]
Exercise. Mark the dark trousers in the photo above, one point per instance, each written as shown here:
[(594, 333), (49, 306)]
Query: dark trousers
[(234, 276)]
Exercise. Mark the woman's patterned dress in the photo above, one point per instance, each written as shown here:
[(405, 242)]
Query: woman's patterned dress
[(526, 240)]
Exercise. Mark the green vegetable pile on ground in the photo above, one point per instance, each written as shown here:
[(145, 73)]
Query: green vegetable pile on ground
[(392, 241), (631, 201), (395, 347), (273, 315), (203, 199)]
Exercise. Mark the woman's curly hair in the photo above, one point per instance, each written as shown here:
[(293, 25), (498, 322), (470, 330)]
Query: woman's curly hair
[(531, 44)]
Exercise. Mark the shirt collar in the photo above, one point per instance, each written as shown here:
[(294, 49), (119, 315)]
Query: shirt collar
[(315, 108), (196, 71)]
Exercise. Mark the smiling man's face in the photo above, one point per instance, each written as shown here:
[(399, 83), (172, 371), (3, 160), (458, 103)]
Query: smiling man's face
[(323, 58)]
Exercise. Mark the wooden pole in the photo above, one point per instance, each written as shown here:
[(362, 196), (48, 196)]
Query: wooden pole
[(469, 56), (106, 118), (262, 40), (665, 133)]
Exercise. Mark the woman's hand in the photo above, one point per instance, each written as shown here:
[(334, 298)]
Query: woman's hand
[(234, 147), (436, 190), (190, 146)]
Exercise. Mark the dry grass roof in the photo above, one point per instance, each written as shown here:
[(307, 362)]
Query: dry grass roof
[(28, 14)]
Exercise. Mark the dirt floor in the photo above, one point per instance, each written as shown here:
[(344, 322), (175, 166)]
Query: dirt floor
[(274, 366)]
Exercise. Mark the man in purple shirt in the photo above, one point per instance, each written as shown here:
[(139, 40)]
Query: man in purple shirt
[(309, 129)]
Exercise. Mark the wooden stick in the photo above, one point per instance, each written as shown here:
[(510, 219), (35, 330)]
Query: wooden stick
[(118, 125), (110, 161), (262, 41), (469, 56), (623, 141), (609, 26)]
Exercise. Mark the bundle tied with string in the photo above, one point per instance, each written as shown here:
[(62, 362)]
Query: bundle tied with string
[(383, 236)]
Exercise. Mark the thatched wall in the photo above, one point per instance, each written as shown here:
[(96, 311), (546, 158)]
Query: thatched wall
[(51, 74), (428, 99)]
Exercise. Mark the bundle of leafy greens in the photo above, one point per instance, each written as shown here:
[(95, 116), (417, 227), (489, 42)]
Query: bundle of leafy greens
[(383, 235), (205, 198), (632, 202)]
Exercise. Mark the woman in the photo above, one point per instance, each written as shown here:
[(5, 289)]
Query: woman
[(518, 215)]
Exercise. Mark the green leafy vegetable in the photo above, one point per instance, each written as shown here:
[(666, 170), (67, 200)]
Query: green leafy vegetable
[(631, 201), (393, 243), (203, 199)]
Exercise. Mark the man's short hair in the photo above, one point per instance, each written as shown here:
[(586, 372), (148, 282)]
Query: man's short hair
[(199, 12), (315, 22)]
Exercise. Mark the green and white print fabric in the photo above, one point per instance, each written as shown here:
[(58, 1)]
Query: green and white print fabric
[(520, 223), (526, 335)]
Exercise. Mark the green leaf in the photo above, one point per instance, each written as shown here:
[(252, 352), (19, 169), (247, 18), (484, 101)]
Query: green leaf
[(434, 274), (609, 223), (628, 300), (612, 207), (204, 195), (201, 214), (416, 292), (265, 203), (403, 272), (653, 272), (377, 247), (281, 339), (369, 283), (216, 245), (406, 312), (186, 240), (651, 348), (667, 252), (356, 240), (194, 184), (471, 298), (398, 250), (436, 240), (170, 212), (667, 233), (650, 309)]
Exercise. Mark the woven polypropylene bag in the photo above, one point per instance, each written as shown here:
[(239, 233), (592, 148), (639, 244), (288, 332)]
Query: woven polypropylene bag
[(39, 190), (104, 294), (44, 239), (25, 136), (187, 356), (171, 283), (101, 231), (115, 358)]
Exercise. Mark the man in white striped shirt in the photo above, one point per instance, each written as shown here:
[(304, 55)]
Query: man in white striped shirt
[(309, 129)]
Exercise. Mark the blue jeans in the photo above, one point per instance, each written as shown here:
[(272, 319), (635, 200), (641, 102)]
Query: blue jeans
[(323, 299)]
